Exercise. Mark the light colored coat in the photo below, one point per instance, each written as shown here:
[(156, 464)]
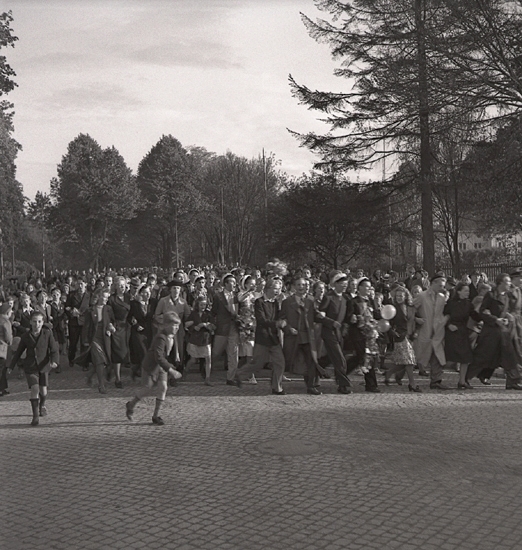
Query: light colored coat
[(431, 333)]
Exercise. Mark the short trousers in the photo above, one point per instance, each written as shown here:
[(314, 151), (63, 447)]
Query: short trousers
[(37, 378)]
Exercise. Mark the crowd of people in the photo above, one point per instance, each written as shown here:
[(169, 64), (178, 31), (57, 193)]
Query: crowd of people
[(160, 326)]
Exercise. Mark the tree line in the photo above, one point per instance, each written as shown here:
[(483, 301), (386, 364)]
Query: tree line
[(432, 88)]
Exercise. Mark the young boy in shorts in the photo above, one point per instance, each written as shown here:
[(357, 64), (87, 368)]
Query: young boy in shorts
[(156, 368), (42, 355)]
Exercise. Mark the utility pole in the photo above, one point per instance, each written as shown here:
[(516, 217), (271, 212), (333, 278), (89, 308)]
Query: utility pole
[(266, 201)]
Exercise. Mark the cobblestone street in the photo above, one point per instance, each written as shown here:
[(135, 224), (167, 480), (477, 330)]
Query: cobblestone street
[(242, 469)]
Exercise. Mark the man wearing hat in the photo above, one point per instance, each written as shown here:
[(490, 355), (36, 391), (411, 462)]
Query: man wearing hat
[(429, 308), (224, 315), (335, 306), (473, 287)]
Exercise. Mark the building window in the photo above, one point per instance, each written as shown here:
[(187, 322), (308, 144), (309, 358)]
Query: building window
[(462, 246), (478, 245)]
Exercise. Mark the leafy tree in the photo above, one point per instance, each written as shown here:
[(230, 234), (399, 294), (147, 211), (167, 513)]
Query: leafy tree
[(93, 196), (171, 201), (333, 222), (413, 66), (240, 191), (11, 194)]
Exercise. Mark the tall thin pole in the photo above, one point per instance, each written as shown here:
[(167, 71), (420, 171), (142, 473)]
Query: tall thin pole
[(177, 240), (390, 243), (222, 226), (266, 201)]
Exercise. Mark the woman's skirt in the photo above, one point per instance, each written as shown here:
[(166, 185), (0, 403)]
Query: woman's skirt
[(403, 353), (199, 352)]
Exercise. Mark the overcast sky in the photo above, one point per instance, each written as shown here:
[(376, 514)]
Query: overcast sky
[(212, 73)]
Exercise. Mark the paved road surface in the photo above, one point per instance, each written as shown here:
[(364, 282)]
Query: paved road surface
[(242, 469)]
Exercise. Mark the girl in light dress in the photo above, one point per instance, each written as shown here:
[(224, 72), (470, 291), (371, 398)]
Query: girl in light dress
[(246, 319)]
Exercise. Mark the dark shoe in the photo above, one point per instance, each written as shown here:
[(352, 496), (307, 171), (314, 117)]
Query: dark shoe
[(35, 421), (282, 392), (372, 390), (118, 384), (313, 391), (102, 389), (344, 390), (208, 382), (58, 370), (464, 386), (485, 381), (234, 383), (43, 411), (129, 411), (398, 380), (438, 386), (423, 373), (158, 421), (415, 389), (514, 387), (386, 381)]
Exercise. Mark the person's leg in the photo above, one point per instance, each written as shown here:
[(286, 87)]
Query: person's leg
[(117, 375), (436, 371), (278, 367), (218, 347), (260, 358), (3, 377), (161, 393), (74, 337), (144, 391), (42, 393), (232, 355), (411, 380), (190, 363), (462, 375), (208, 370), (336, 357), (34, 388)]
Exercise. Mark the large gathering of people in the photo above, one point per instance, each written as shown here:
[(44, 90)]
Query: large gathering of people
[(159, 326)]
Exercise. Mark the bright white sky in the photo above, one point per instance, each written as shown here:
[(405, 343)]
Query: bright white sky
[(212, 73)]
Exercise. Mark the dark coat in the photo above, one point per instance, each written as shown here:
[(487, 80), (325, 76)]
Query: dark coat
[(331, 306), (222, 317), (457, 345), (300, 318), (158, 355), (495, 345), (140, 340), (266, 313), (45, 351), (89, 331)]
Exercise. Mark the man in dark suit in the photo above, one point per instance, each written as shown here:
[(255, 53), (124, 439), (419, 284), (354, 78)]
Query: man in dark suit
[(336, 305), (75, 307), (267, 344), (299, 343), (224, 315)]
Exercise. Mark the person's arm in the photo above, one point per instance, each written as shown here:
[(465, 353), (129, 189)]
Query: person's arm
[(322, 308), (485, 312), (54, 350), (22, 346)]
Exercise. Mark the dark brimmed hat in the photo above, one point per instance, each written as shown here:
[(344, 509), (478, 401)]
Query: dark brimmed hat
[(438, 275), (451, 281), (170, 284)]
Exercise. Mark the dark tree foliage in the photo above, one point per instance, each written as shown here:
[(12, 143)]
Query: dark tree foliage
[(334, 223), (93, 196)]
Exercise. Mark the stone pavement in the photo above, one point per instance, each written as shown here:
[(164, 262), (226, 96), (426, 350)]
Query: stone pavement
[(242, 469)]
